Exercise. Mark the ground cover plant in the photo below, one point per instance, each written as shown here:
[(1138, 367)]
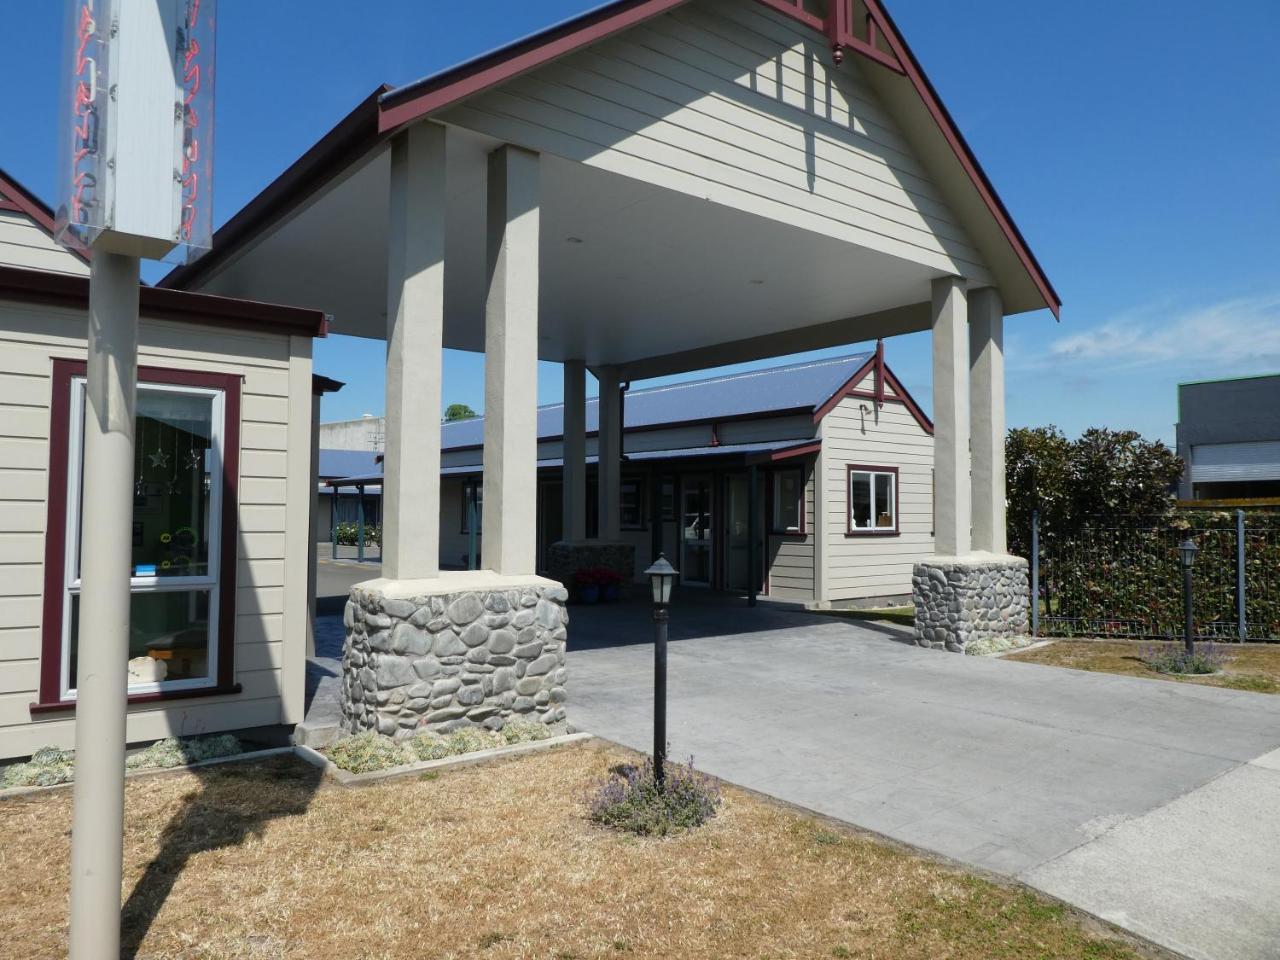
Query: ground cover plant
[(632, 799), (50, 766), (1201, 659), (1253, 666), (370, 752), (268, 861)]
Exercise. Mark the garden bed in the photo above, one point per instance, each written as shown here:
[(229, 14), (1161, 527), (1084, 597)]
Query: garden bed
[(265, 861), (1252, 666)]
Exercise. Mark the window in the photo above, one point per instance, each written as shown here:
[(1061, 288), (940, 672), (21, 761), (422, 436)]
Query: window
[(667, 503), (472, 498), (631, 505), (182, 561), (788, 501), (873, 500)]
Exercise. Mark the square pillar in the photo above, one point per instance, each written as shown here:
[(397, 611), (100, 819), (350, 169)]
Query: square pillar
[(952, 501), (574, 485), (511, 363), (609, 454), (415, 329), (986, 392)]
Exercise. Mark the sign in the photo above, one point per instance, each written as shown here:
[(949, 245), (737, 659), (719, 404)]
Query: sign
[(136, 158)]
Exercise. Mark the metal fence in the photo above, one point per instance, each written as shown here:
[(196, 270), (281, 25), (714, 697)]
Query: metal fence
[(1123, 578)]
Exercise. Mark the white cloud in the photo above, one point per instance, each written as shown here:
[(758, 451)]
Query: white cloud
[(1235, 336)]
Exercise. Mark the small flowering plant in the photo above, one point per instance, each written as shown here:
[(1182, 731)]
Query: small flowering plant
[(599, 577), (1173, 658), (632, 799)]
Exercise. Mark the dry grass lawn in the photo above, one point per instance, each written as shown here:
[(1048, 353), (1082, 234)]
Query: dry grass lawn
[(1253, 666), (262, 861)]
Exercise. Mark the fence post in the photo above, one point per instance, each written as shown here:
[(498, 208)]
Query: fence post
[(333, 524), (360, 519), (1240, 613), (1035, 573)]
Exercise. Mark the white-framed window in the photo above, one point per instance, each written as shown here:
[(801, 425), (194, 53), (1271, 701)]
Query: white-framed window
[(176, 551), (788, 501), (873, 500)]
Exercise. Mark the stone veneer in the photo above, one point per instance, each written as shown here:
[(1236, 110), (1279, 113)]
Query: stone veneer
[(566, 557), (978, 597), (437, 661)]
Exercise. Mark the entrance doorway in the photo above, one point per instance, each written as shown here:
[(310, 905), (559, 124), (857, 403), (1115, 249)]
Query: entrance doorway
[(697, 534), (737, 533)]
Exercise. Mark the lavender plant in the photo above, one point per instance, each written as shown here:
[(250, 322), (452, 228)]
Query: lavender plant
[(632, 799), (1174, 658)]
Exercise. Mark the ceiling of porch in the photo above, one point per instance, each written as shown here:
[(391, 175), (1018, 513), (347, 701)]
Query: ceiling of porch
[(629, 271)]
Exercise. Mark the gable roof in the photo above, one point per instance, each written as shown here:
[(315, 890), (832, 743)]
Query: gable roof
[(797, 388), (387, 110), (348, 463), (16, 198)]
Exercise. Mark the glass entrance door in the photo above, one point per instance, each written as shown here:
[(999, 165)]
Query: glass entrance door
[(737, 533), (696, 530)]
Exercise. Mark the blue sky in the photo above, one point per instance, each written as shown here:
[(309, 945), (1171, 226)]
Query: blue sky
[(1140, 155)]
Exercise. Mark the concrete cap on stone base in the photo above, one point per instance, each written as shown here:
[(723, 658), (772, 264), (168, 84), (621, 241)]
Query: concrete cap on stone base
[(460, 581), (977, 559)]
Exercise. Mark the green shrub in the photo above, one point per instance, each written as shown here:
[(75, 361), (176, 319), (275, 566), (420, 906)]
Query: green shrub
[(179, 753), (367, 752), (525, 731), (47, 767), (347, 534)]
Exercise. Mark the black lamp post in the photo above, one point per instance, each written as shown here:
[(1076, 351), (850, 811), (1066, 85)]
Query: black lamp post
[(662, 577), (1188, 550)]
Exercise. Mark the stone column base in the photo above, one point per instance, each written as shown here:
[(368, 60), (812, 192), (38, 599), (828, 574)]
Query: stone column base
[(566, 557), (464, 649), (975, 597)]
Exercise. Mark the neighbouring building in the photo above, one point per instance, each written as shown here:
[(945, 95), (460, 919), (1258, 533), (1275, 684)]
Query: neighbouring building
[(1229, 438), (368, 433), (222, 497), (839, 435)]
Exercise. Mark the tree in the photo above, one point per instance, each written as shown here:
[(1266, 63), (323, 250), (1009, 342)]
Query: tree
[(458, 411), (1105, 475)]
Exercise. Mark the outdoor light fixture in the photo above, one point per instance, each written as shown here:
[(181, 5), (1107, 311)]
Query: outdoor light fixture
[(662, 577), (1188, 550)]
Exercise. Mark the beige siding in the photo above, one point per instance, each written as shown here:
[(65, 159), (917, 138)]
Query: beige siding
[(735, 103), (271, 548), (855, 433), (791, 557), (23, 243)]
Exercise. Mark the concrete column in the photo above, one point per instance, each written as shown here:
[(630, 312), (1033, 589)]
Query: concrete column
[(952, 502), (986, 392), (609, 454), (415, 328), (106, 565), (313, 513), (575, 451), (511, 364)]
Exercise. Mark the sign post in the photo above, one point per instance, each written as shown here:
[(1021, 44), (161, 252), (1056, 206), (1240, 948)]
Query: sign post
[(135, 174)]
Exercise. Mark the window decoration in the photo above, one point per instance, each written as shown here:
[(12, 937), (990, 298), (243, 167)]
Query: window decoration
[(873, 500)]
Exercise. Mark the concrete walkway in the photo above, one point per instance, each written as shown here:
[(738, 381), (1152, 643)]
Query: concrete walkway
[(1152, 804)]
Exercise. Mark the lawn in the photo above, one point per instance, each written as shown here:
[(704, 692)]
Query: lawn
[(1253, 666), (264, 861)]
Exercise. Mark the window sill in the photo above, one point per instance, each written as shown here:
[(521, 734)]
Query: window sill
[(138, 699), (854, 534)]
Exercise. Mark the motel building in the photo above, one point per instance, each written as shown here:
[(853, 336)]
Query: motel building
[(653, 188)]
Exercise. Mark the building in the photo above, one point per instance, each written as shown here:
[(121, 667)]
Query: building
[(1229, 439), (221, 499), (841, 435), (338, 504), (367, 433)]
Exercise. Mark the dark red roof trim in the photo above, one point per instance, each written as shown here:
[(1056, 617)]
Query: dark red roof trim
[(786, 453), (39, 286), (850, 389), (18, 199)]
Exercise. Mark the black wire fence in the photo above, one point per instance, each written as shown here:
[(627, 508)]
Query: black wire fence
[(1123, 577)]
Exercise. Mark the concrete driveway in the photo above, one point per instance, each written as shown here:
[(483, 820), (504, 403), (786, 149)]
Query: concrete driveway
[(1153, 804)]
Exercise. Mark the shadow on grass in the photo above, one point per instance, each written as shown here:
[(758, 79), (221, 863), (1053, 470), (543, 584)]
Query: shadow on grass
[(233, 803)]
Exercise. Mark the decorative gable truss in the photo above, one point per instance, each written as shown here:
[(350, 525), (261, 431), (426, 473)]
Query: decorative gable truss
[(885, 388), (849, 25)]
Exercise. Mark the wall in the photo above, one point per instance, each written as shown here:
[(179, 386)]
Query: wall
[(874, 566), (790, 570), (24, 244), (367, 433), (731, 101), (1245, 410), (275, 483)]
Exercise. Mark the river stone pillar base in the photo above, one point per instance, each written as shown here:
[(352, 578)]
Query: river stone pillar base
[(976, 597), (566, 557), (461, 650)]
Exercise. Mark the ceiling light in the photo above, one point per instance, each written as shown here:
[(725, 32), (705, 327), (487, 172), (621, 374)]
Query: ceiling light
[(573, 239)]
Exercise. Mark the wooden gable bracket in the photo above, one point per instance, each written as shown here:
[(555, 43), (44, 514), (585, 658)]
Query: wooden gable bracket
[(837, 26)]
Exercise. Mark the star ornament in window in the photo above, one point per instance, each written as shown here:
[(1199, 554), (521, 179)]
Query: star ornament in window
[(160, 459)]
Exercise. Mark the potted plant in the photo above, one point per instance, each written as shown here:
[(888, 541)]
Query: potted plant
[(610, 584), (588, 585)]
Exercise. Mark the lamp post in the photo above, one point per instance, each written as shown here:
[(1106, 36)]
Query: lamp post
[(1188, 551), (662, 577)]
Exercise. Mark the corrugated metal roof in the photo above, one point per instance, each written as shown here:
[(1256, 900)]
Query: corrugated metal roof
[(348, 463), (804, 385)]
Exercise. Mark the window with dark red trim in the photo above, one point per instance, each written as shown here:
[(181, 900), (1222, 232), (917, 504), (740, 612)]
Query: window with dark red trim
[(183, 563), (872, 501), (631, 503), (787, 499)]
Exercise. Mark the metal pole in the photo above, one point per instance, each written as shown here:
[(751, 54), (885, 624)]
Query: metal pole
[(471, 532), (1240, 594), (753, 582), (660, 694), (1035, 573), (1189, 628), (360, 524), (106, 537), (333, 524)]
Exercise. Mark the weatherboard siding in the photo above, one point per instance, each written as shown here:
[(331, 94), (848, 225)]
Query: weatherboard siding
[(855, 432), (736, 104), (25, 244), (790, 574), (270, 627)]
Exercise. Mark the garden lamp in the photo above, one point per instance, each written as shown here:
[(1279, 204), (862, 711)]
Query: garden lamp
[(662, 577), (1188, 550)]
